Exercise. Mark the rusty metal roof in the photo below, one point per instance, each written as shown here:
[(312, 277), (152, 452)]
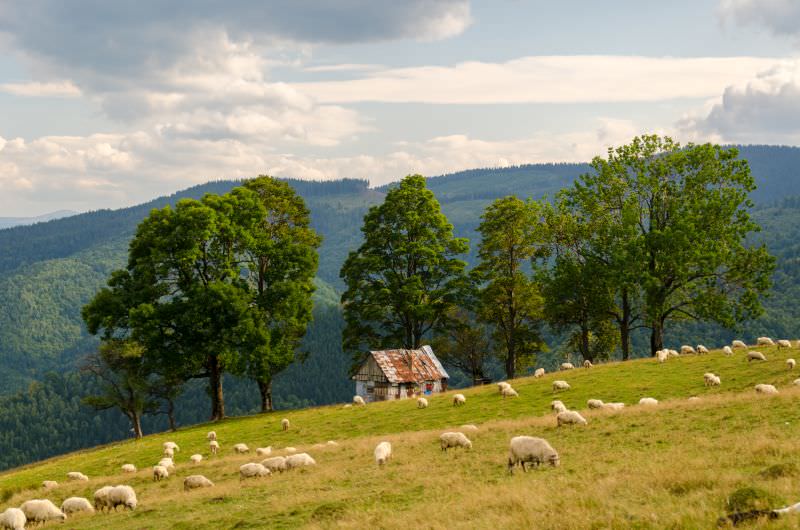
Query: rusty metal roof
[(410, 366)]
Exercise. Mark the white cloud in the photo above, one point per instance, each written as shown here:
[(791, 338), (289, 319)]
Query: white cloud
[(61, 89), (781, 17)]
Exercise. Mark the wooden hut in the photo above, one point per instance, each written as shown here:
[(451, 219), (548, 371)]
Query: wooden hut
[(400, 374)]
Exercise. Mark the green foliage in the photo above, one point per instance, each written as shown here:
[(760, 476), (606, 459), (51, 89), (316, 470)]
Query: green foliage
[(750, 498), (464, 344)]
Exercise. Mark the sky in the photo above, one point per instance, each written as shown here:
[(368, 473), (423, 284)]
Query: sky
[(108, 104)]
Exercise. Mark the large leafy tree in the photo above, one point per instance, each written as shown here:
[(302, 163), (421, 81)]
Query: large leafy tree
[(674, 221), (406, 277), (510, 301)]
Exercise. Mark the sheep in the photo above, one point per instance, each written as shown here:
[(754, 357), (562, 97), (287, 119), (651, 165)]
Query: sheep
[(128, 468), (454, 439), (501, 385), (122, 496), (648, 401), (77, 475), (241, 449), (566, 366), (766, 389), (101, 498), (213, 445), (727, 351), (167, 463), (790, 363), (529, 449), (568, 417), (557, 406), (264, 451), (285, 424), (276, 463), (252, 470), (509, 392), (290, 449), (662, 355), (196, 481), (686, 349), (383, 453), (41, 511), (614, 406), (169, 452), (701, 350), (422, 403), (13, 519), (173, 446), (76, 504), (714, 380), (539, 372), (196, 458), (587, 364), (560, 385), (708, 378), (49, 484), (469, 427), (160, 472), (738, 344), (755, 356), (358, 400), (764, 341), (595, 404), (299, 460), (673, 353), (459, 399), (783, 343), (211, 436)]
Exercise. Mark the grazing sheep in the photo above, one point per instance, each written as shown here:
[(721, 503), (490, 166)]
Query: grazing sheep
[(76, 504), (701, 350), (167, 463), (276, 463), (264, 451), (686, 349), (160, 472), (285, 424), (241, 449), (501, 385), (614, 406), (383, 452), (252, 470), (566, 366), (211, 436), (738, 344), (213, 445), (122, 496), (755, 356), (557, 406), (459, 399), (648, 401), (560, 385), (173, 446), (101, 498), (358, 400), (41, 511), (569, 417), (454, 439), (727, 351), (539, 372), (128, 468), (469, 427), (595, 404), (673, 353), (509, 392), (662, 355), (422, 403), (714, 381), (196, 481), (77, 475), (49, 484), (764, 341), (708, 378), (783, 343), (196, 458), (532, 450), (13, 519), (299, 460), (587, 363), (790, 363), (169, 452), (766, 389)]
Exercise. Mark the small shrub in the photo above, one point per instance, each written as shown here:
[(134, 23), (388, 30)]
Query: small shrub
[(751, 499), (787, 469)]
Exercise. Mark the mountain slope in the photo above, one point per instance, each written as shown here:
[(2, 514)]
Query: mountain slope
[(8, 222)]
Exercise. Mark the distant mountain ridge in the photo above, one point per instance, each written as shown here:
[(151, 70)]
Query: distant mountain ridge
[(8, 222)]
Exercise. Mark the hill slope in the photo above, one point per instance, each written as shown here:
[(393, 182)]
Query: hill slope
[(668, 466)]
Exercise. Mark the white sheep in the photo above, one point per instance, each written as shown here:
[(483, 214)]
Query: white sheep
[(595, 404), (167, 463), (422, 403), (791, 363), (509, 392), (727, 351), (123, 496), (648, 401), (686, 349), (49, 484), (213, 445), (196, 458), (764, 341), (285, 424), (276, 463), (539, 372), (587, 364), (77, 475), (173, 446), (13, 519), (101, 501), (566, 366), (528, 449), (569, 417), (738, 344), (711, 379), (252, 470), (196, 481), (469, 427), (383, 453), (454, 439), (783, 343), (299, 460), (459, 399), (662, 355), (241, 449), (211, 436), (160, 472), (557, 406), (290, 449), (169, 452), (755, 356), (76, 504), (501, 385), (264, 451), (128, 468), (701, 350), (614, 406), (673, 353), (766, 389), (41, 511), (358, 400), (560, 385)]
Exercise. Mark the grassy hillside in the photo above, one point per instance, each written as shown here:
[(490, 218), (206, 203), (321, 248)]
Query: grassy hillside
[(668, 466)]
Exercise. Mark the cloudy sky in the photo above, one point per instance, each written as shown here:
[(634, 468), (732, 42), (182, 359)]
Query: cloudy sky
[(110, 103)]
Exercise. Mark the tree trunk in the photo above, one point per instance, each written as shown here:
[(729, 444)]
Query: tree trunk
[(136, 421), (657, 336), (215, 388), (511, 361), (171, 415), (265, 387), (585, 344), (624, 327)]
